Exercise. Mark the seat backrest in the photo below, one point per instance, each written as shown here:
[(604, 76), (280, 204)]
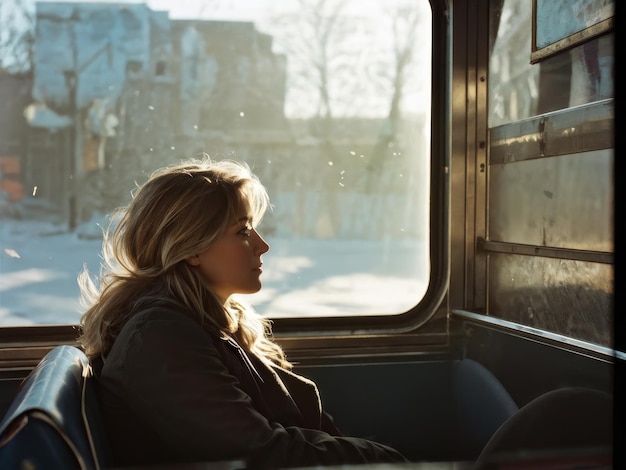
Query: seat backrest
[(570, 427), (50, 418), (481, 404)]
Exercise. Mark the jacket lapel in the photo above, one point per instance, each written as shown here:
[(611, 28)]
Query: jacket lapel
[(268, 392)]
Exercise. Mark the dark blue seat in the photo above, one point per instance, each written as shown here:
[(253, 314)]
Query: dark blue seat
[(570, 427), (481, 403), (52, 422)]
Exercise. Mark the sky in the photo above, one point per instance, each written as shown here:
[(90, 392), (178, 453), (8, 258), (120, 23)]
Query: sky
[(237, 9), (40, 261)]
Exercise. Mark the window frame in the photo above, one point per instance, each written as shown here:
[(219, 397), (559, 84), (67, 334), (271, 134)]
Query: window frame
[(356, 328), (314, 336)]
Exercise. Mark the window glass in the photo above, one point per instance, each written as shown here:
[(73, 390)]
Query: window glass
[(327, 100), (519, 89)]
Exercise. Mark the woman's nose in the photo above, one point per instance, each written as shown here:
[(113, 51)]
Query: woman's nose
[(261, 246)]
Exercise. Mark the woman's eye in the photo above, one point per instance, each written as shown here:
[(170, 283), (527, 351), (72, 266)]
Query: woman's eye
[(245, 231)]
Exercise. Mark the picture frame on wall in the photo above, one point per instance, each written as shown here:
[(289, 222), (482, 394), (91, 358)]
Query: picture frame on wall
[(579, 22)]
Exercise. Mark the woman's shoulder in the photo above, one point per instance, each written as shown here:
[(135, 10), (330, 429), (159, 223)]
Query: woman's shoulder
[(157, 313), (159, 310), (160, 328), (165, 318)]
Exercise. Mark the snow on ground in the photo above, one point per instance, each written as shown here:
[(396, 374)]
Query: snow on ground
[(39, 264)]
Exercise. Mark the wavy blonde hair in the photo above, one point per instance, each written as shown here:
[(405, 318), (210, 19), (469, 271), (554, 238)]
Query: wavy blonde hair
[(177, 213)]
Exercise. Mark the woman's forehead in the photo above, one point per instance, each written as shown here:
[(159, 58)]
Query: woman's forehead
[(251, 203), (243, 219)]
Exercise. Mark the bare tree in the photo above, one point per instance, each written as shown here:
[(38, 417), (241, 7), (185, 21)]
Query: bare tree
[(348, 65), (17, 35), (314, 38), (393, 167), (404, 23)]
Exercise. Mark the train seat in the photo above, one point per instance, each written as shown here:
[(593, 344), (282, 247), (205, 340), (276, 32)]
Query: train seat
[(482, 404), (54, 421), (51, 418), (570, 427)]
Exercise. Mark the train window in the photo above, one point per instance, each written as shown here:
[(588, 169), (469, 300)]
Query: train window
[(548, 119), (329, 102), (519, 89)]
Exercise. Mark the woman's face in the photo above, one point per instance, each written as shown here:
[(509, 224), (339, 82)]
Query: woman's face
[(232, 264)]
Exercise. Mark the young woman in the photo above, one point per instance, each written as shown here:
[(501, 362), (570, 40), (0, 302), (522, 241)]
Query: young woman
[(184, 372)]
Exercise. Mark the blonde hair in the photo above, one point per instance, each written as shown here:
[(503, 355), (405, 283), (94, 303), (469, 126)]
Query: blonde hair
[(177, 213)]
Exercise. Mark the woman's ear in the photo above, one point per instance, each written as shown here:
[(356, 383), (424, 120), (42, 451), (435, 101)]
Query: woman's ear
[(193, 260)]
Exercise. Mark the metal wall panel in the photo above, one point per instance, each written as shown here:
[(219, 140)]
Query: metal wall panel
[(530, 290), (532, 202)]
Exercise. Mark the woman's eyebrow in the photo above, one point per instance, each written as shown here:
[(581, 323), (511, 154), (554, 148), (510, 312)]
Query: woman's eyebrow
[(245, 218)]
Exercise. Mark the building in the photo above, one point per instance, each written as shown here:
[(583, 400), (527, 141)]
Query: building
[(123, 84)]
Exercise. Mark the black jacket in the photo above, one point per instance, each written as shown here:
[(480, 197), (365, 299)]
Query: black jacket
[(172, 390)]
